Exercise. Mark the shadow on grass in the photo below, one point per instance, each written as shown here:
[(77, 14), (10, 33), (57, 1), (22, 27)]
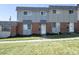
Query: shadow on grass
[(49, 36), (58, 36)]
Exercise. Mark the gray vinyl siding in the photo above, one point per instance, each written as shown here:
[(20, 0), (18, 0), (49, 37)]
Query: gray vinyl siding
[(62, 16), (35, 17)]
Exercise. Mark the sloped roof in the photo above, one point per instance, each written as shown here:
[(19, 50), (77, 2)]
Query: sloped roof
[(46, 8)]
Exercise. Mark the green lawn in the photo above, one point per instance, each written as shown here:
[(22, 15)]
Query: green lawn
[(37, 48), (19, 38)]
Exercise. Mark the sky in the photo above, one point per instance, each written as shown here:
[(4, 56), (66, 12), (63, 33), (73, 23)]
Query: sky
[(7, 10)]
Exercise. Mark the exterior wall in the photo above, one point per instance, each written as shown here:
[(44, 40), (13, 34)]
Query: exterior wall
[(13, 30), (35, 16), (4, 34), (35, 28), (49, 27), (19, 29), (62, 16), (76, 25), (64, 27)]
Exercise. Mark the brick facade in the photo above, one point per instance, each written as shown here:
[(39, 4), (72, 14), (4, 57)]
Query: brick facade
[(64, 27), (76, 26), (35, 28), (13, 30), (48, 27), (19, 28)]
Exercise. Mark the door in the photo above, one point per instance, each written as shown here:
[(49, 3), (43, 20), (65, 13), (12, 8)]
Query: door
[(55, 27), (27, 29), (43, 28), (71, 27)]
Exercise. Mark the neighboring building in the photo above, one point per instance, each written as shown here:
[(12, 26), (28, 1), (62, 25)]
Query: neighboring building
[(7, 28)]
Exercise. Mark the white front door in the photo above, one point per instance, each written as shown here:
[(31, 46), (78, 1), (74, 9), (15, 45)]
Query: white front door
[(71, 27), (43, 28)]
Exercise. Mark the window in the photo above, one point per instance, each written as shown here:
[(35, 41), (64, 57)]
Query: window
[(5, 28), (54, 11), (70, 11), (26, 26), (25, 13), (43, 13)]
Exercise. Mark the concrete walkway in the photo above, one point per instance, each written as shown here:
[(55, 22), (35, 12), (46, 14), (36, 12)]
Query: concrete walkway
[(39, 40)]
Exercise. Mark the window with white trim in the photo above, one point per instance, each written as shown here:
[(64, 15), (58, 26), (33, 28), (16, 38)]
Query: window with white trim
[(43, 13), (71, 11), (28, 13), (6, 28), (26, 26), (54, 11)]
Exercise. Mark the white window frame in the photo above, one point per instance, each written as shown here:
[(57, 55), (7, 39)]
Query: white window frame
[(45, 13), (29, 13)]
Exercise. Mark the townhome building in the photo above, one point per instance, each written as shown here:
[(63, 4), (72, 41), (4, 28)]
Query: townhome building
[(44, 20), (48, 20)]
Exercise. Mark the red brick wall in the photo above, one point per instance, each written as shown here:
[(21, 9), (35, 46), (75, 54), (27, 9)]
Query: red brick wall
[(19, 28), (64, 27), (76, 25), (35, 28), (13, 30), (48, 27)]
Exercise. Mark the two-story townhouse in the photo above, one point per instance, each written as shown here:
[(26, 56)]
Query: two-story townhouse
[(43, 20)]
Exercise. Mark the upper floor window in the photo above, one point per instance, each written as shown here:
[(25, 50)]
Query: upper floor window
[(70, 11), (27, 13), (43, 13), (54, 11)]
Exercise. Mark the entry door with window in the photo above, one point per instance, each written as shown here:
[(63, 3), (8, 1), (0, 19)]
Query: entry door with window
[(55, 27), (27, 29)]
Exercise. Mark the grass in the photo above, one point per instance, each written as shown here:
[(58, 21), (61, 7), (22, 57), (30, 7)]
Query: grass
[(68, 47)]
